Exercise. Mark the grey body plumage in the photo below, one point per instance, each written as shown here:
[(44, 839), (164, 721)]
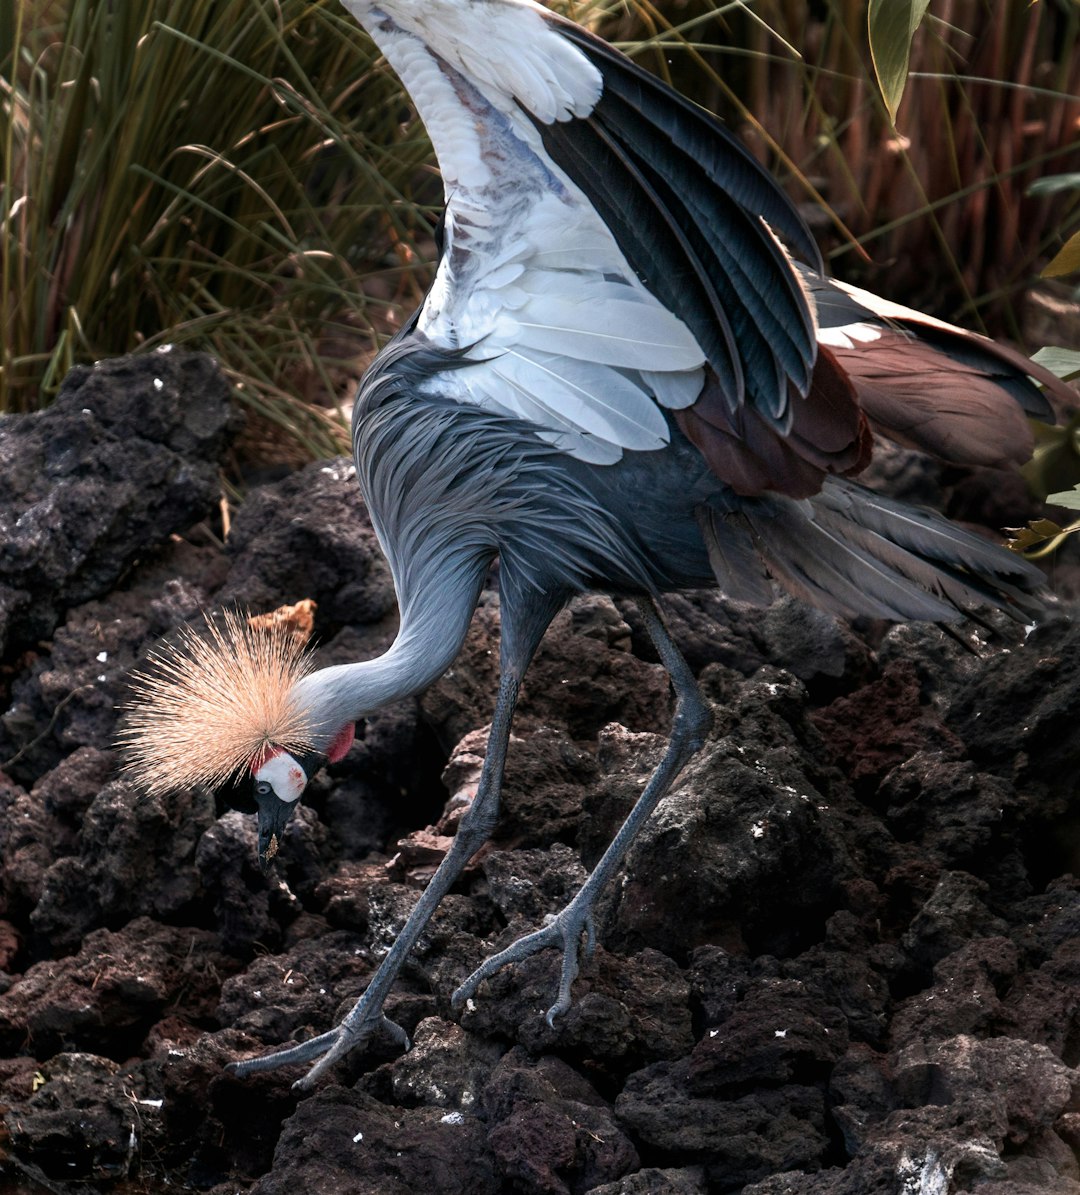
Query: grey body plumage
[(442, 480)]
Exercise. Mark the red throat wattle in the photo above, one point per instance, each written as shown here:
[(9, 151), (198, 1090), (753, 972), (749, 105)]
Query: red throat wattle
[(339, 748)]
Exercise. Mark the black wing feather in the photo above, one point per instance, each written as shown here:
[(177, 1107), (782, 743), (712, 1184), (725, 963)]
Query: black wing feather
[(759, 289), (727, 162), (652, 239), (657, 168)]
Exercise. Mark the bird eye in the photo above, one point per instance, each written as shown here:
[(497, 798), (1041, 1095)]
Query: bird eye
[(263, 789)]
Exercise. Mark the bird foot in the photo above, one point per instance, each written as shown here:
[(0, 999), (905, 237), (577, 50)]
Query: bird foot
[(565, 929), (324, 1050)]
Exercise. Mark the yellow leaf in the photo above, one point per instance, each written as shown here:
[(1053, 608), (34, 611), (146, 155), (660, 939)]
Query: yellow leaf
[(1067, 259), (1038, 531)]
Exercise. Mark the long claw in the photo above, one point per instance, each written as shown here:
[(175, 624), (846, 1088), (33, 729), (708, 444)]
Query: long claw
[(304, 1051), (565, 930), (324, 1050)]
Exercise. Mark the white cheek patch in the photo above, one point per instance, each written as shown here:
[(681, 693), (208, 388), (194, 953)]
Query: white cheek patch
[(284, 775)]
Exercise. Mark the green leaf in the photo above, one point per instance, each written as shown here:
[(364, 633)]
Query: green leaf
[(1062, 363), (1069, 498), (1067, 259), (1053, 183), (891, 25)]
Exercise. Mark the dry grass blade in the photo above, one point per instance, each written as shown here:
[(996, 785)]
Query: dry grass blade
[(991, 104)]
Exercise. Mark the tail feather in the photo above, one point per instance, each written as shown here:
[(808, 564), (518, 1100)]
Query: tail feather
[(855, 552), (736, 562), (932, 386)]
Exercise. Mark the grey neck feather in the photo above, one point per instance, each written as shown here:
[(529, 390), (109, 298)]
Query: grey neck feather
[(433, 628)]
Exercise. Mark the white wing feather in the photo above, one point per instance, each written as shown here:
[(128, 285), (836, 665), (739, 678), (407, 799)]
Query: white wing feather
[(532, 285), (504, 48)]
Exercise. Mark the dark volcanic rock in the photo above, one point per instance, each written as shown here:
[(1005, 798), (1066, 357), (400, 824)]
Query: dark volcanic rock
[(113, 990), (342, 1142), (85, 1121), (127, 454), (549, 1130), (309, 537), (739, 1139), (843, 956), (133, 857)]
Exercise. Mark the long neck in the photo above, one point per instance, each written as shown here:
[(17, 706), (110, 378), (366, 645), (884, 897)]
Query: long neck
[(434, 621)]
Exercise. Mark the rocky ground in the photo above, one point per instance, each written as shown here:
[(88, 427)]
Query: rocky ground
[(845, 958)]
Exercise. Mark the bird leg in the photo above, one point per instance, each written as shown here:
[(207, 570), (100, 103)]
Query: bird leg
[(474, 830), (692, 721)]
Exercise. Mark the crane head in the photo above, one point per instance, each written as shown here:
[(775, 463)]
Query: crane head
[(224, 703)]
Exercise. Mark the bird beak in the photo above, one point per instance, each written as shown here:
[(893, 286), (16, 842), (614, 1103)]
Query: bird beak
[(274, 814), (287, 774)]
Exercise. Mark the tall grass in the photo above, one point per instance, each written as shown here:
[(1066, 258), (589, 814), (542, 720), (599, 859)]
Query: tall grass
[(244, 176), (220, 173)]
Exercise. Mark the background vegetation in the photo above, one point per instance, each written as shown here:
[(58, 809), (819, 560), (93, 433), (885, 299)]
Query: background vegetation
[(244, 176)]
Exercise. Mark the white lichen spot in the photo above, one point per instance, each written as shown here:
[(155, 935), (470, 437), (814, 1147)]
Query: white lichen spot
[(339, 474), (153, 1103), (358, 1138), (102, 656), (780, 1033), (159, 384), (757, 830), (453, 1118)]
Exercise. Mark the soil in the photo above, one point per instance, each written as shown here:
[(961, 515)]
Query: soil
[(845, 957)]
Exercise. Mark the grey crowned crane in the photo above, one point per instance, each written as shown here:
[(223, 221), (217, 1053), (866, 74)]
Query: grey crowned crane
[(630, 376)]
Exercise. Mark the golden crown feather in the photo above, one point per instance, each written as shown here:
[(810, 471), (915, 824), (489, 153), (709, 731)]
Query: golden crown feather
[(210, 704)]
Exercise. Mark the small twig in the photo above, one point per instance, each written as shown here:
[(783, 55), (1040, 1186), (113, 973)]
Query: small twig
[(48, 729)]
